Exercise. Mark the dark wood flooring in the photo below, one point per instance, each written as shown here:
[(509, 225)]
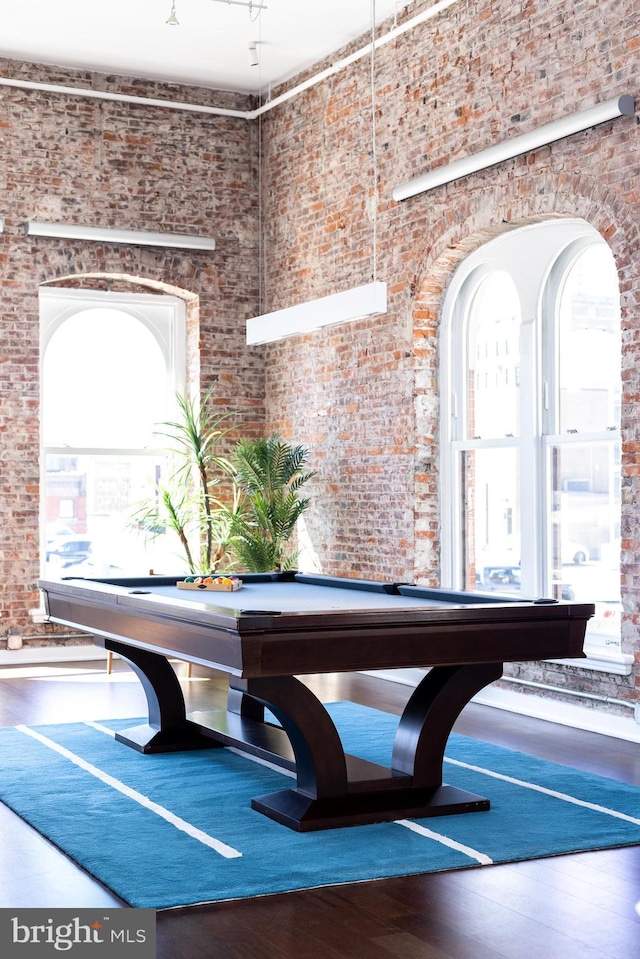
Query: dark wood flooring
[(568, 907)]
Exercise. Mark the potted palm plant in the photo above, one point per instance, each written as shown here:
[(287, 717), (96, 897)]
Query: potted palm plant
[(235, 511), (270, 474)]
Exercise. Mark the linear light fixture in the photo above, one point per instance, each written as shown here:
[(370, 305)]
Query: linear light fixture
[(516, 146), (345, 307), (99, 234)]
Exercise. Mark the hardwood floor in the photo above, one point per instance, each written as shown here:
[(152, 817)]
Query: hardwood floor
[(579, 906)]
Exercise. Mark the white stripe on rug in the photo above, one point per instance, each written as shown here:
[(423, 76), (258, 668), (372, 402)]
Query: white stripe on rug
[(100, 728), (548, 792), (231, 749), (445, 841), (228, 852)]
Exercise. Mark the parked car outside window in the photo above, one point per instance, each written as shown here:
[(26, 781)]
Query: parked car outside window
[(68, 550)]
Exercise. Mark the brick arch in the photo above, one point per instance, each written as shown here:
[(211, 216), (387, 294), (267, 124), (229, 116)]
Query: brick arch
[(473, 222), (121, 282), (479, 218)]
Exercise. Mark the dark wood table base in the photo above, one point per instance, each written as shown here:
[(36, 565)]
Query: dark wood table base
[(303, 814), (333, 789)]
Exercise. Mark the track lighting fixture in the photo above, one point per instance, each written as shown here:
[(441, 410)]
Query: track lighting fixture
[(251, 4), (254, 8), (172, 19)]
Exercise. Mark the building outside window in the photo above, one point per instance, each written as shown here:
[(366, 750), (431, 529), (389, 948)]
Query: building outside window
[(531, 377), (111, 367)]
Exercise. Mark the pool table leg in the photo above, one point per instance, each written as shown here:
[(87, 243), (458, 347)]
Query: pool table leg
[(319, 755), (429, 715), (167, 729), (243, 705), (337, 790)]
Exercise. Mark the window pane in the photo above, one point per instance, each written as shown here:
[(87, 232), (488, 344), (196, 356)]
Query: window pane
[(589, 361), (493, 351), (491, 520), (584, 538), (89, 502), (104, 382)]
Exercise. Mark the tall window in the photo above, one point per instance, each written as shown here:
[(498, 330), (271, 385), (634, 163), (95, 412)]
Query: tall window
[(111, 366), (531, 424)]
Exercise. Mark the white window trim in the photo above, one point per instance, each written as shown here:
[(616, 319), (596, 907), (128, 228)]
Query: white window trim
[(574, 235), (163, 315)]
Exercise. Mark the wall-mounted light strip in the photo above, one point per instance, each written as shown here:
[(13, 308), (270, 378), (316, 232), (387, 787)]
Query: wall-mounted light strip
[(1, 225), (98, 234), (355, 304), (557, 130)]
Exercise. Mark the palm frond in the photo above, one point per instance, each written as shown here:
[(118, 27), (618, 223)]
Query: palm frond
[(194, 440), (270, 473)]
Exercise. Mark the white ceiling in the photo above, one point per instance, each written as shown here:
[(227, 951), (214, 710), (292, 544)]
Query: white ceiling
[(208, 48)]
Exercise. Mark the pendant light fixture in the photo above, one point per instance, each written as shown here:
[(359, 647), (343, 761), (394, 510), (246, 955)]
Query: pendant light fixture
[(351, 304)]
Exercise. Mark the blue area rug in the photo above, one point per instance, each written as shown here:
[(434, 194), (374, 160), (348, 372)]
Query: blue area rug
[(176, 829)]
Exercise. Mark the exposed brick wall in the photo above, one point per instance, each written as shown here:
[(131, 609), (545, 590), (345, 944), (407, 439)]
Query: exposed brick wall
[(131, 166), (333, 396), (365, 396)]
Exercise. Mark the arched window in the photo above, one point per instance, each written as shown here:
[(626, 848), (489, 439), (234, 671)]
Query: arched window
[(531, 387), (111, 366)]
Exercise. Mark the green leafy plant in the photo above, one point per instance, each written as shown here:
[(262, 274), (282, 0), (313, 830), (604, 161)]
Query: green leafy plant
[(189, 502), (270, 475), (240, 509)]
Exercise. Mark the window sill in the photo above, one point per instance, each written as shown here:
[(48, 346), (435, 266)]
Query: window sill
[(602, 661)]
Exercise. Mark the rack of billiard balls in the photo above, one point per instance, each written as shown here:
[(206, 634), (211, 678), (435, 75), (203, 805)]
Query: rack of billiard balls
[(226, 584)]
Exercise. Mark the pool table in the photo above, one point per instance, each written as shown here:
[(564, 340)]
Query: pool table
[(278, 627)]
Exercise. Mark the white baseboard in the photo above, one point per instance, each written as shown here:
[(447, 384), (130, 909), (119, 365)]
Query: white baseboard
[(592, 719), (34, 655)]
